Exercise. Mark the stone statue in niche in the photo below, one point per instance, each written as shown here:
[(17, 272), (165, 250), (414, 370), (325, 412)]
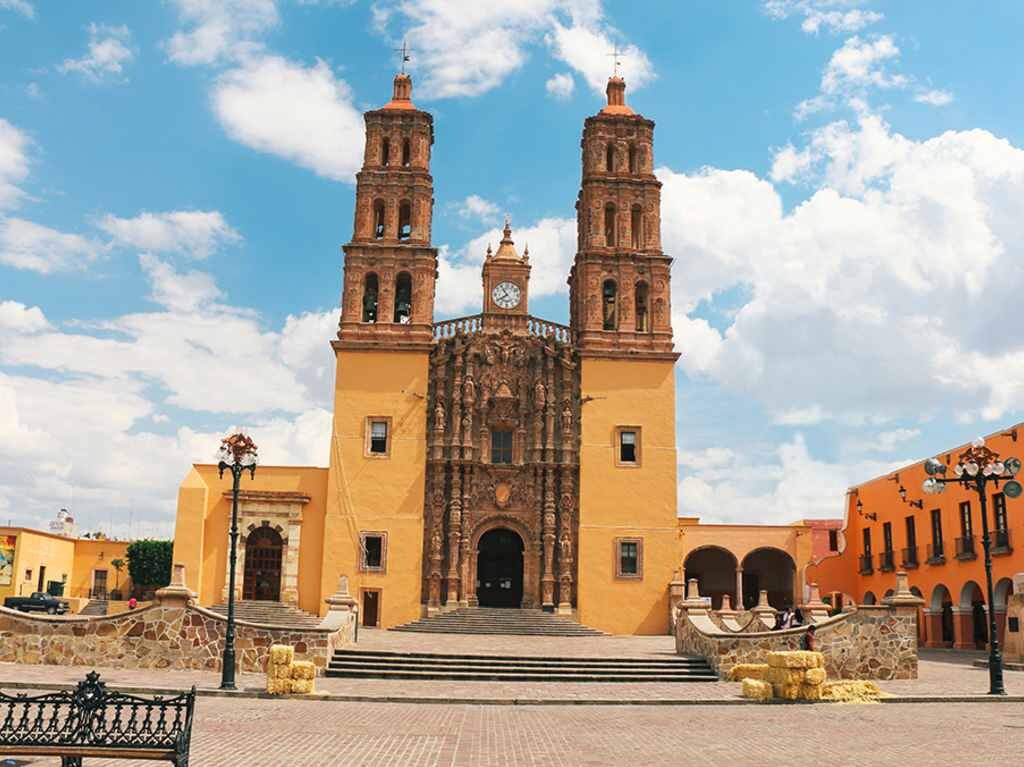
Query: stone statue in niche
[(439, 418), (566, 415), (565, 546), (539, 396), (435, 544), (468, 391)]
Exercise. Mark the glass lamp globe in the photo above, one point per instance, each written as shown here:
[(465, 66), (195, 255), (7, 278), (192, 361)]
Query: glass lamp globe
[(978, 442), (989, 469), (223, 455), (1011, 466), (933, 466), (249, 459), (959, 470), (972, 468), (999, 468)]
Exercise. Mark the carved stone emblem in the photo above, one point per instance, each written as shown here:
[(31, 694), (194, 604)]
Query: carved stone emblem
[(502, 495)]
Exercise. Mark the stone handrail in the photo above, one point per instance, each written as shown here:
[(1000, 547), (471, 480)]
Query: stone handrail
[(458, 326), (545, 329)]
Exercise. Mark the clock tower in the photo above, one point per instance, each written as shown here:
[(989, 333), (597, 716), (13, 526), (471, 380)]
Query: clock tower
[(506, 280)]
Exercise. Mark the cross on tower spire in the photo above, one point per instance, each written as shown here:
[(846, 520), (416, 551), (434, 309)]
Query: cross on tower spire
[(616, 55), (405, 50)]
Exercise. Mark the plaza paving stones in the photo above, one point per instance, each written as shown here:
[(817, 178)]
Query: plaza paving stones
[(299, 733)]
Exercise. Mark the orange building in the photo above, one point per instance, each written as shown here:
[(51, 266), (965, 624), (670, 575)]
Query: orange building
[(891, 524)]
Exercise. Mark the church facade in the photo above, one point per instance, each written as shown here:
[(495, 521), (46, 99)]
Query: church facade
[(495, 460)]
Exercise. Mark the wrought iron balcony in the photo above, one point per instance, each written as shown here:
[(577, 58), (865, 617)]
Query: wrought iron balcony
[(936, 553), (886, 562), (910, 557), (965, 548), (1001, 539), (866, 567)]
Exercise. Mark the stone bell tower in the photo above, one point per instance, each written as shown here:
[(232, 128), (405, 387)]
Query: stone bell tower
[(620, 282), (390, 267), (621, 315), (375, 482)]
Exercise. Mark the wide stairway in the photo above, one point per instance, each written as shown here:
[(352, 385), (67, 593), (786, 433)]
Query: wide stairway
[(277, 613), (359, 664), (94, 607), (499, 620)]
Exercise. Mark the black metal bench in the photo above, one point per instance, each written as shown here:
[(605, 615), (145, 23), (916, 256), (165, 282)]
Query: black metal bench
[(91, 721)]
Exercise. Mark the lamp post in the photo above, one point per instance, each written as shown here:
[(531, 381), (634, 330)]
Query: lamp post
[(237, 454), (976, 468)]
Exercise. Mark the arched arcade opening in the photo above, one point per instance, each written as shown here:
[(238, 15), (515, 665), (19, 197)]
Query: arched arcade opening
[(771, 570), (715, 571)]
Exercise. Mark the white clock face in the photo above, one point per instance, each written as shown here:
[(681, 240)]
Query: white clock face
[(506, 295)]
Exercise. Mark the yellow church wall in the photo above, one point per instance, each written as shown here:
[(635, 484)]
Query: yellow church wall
[(34, 549), (374, 494), (204, 520), (626, 502), (90, 556)]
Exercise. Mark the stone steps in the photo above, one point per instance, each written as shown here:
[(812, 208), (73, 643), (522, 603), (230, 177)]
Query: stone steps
[(493, 620), (358, 664), (276, 613), (94, 607)]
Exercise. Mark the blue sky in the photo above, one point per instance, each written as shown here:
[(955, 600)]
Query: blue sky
[(842, 187)]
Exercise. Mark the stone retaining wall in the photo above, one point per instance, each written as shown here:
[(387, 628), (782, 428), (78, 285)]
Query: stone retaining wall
[(875, 642), (173, 633)]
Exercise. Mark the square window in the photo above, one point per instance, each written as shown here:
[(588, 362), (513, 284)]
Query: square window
[(627, 446), (373, 551), (501, 447), (628, 557)]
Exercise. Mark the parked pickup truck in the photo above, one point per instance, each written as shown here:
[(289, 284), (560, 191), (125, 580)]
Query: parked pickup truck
[(38, 602)]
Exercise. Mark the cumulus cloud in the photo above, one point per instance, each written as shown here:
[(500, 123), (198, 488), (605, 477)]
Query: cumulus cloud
[(23, 7), (216, 31), (936, 98), (14, 146), (33, 247), (552, 244), (860, 64), (18, 318), (872, 298), (195, 233), (836, 16), (476, 208), (302, 114), (465, 49), (109, 52), (560, 86)]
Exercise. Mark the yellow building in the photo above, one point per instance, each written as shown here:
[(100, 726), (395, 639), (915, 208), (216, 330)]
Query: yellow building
[(495, 460), (33, 560)]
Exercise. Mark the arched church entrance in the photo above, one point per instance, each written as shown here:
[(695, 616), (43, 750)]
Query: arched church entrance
[(499, 569), (715, 571), (262, 576)]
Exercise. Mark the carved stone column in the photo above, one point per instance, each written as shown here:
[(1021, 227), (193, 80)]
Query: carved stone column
[(465, 580), (552, 400), (565, 543), (548, 578), (739, 588), (456, 400), (454, 536), (436, 518)]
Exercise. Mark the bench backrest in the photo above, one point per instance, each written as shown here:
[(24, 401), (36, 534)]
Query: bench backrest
[(92, 715)]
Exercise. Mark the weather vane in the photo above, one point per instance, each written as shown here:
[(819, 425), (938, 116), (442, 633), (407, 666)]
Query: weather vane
[(616, 55), (405, 50)]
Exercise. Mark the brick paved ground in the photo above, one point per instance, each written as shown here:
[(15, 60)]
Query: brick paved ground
[(297, 733)]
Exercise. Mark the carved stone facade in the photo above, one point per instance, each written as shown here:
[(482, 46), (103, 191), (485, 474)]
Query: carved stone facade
[(495, 383)]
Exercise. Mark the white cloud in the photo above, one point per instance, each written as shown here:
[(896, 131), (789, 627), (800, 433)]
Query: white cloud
[(220, 30), (13, 164), (33, 91), (477, 208), (18, 318), (860, 64), (23, 7), (109, 52), (874, 297), (804, 416), (302, 114), (552, 244), (560, 86), (936, 98), (30, 246), (178, 291), (830, 15), (195, 233), (466, 49)]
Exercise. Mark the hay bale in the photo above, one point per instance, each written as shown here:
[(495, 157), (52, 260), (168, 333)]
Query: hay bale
[(796, 659), (810, 691), (851, 691), (303, 669), (786, 676), (814, 676), (787, 691), (281, 654), (280, 672), (749, 671), (757, 689), (277, 686), (302, 686)]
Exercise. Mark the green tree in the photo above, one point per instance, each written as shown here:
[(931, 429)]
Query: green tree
[(118, 565), (149, 563)]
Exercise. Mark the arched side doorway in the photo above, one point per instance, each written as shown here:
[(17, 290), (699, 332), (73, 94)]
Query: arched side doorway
[(499, 569), (922, 623), (771, 570), (940, 618), (715, 571), (262, 576), (1003, 590), (869, 598), (973, 618)]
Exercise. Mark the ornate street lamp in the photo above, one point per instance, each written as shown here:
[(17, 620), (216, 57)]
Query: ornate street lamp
[(975, 469), (237, 454)]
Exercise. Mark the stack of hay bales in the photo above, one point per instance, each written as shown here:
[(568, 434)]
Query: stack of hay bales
[(279, 669), (796, 674), (303, 673), (851, 691)]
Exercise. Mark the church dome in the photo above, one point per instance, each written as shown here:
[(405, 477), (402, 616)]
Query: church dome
[(507, 248)]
